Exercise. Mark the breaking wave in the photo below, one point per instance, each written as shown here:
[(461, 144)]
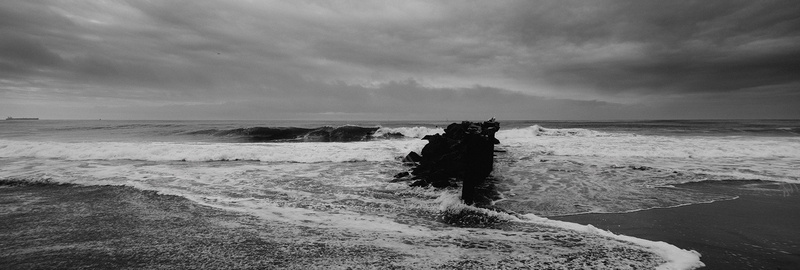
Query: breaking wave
[(387, 150), (320, 134), (585, 142), (408, 132), (539, 131), (293, 134)]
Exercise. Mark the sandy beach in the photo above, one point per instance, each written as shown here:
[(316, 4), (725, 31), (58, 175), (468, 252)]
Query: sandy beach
[(117, 227), (758, 230), (63, 226)]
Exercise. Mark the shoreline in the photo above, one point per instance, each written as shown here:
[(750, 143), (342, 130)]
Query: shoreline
[(66, 226), (757, 230)]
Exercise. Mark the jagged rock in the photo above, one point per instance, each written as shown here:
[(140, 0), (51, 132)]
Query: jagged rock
[(464, 152), (412, 158), (401, 175)]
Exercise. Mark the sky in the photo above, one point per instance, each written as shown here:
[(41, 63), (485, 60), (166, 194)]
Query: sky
[(394, 60)]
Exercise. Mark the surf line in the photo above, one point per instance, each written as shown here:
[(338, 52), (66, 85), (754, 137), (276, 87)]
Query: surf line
[(465, 154)]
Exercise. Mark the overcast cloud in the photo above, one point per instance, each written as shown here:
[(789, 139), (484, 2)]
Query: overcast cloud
[(231, 59)]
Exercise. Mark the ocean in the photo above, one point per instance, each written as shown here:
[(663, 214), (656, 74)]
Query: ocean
[(338, 176)]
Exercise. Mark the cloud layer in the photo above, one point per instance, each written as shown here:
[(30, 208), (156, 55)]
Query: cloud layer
[(400, 59)]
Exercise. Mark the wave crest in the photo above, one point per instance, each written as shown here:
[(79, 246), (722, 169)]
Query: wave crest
[(292, 134), (410, 132), (386, 150), (539, 131)]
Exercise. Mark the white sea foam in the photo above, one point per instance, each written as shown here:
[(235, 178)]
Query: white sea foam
[(676, 258), (452, 203), (411, 132), (767, 158), (268, 152), (313, 184), (584, 142), (294, 190), (539, 131)]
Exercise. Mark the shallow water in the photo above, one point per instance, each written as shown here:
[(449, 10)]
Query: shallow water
[(555, 168), (754, 231)]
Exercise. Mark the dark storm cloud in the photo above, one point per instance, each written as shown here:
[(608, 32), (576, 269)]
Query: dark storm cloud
[(689, 46), (526, 59), (685, 73), (22, 49), (26, 52)]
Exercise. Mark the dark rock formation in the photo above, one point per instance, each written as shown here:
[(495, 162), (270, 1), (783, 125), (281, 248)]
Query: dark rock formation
[(464, 153), (412, 158)]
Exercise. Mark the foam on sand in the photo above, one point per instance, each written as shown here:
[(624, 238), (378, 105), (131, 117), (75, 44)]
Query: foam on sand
[(676, 258), (386, 215)]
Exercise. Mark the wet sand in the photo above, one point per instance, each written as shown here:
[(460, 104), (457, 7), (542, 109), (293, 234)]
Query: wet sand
[(758, 230), (54, 226)]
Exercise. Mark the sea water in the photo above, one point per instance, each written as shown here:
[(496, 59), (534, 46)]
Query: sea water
[(337, 175)]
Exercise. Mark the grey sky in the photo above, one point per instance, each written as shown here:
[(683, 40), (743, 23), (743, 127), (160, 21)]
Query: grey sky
[(232, 59)]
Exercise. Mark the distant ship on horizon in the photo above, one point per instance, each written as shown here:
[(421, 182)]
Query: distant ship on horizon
[(22, 118)]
